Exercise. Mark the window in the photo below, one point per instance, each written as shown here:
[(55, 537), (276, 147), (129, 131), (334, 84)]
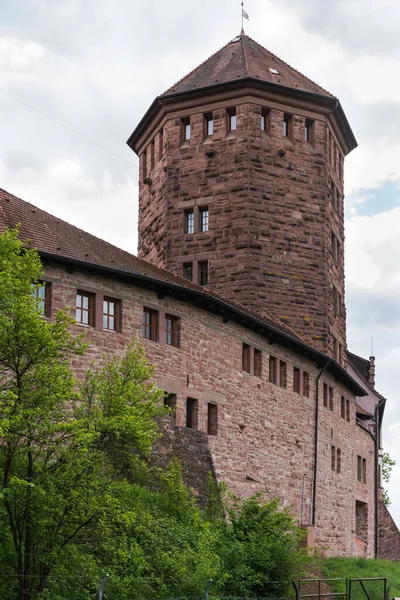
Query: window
[(212, 419), (335, 247), (203, 272), (282, 374), (152, 152), (337, 302), (149, 324), (208, 124), (188, 271), (246, 351), (161, 143), (191, 413), (43, 294), (185, 124), (343, 407), (287, 125), (361, 469), (338, 460), (333, 458), (171, 330), (273, 370), (189, 221), (111, 314), (265, 120), (309, 131), (362, 520), (328, 396), (144, 164), (231, 114), (84, 308), (204, 218), (348, 410), (170, 401), (306, 384), (334, 197), (296, 380), (257, 362)]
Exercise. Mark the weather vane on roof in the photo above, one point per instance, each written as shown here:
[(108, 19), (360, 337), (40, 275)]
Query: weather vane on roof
[(244, 16)]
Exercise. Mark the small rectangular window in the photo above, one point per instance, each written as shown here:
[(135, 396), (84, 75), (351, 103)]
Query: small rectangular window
[(338, 460), (212, 419), (231, 114), (273, 370), (348, 410), (306, 384), (188, 271), (257, 362), (309, 131), (185, 124), (287, 125), (282, 374), (333, 458), (334, 197), (189, 221), (337, 302), (343, 407), (111, 314), (149, 324), (144, 164), (335, 247), (203, 272), (330, 398), (265, 120), (84, 308), (326, 395), (361, 469), (208, 124), (161, 143), (171, 331), (152, 154), (296, 380), (191, 413), (204, 218), (246, 358)]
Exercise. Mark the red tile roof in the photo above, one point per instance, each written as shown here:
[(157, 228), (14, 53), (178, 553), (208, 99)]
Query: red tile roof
[(244, 58)]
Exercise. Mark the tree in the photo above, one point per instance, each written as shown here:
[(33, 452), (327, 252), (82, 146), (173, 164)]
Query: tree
[(57, 472), (387, 466)]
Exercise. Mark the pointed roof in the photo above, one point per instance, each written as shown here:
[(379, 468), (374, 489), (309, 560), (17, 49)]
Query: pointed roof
[(243, 58)]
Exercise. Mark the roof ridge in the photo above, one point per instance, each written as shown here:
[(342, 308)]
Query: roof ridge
[(287, 64), (246, 63), (195, 69)]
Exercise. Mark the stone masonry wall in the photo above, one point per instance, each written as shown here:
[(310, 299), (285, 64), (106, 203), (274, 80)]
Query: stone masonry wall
[(388, 536), (265, 436), (271, 209)]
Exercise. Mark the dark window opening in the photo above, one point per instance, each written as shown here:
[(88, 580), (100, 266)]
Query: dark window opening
[(212, 419), (246, 358), (170, 401), (231, 114), (161, 143), (338, 460), (188, 271), (287, 125), (273, 370), (333, 458), (191, 413), (282, 374), (309, 131), (265, 120), (152, 153), (208, 124), (144, 164), (306, 384), (185, 123), (203, 272), (257, 362), (296, 380), (362, 520)]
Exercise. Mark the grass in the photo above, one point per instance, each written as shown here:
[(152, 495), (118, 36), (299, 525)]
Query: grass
[(360, 568)]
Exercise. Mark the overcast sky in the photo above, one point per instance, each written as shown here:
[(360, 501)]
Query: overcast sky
[(96, 65)]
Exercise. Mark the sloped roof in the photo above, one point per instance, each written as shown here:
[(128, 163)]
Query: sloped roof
[(244, 58)]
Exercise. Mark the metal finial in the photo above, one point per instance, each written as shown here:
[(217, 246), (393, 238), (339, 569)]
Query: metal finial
[(244, 16)]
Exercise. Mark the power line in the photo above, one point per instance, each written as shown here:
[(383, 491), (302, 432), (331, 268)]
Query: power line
[(84, 137)]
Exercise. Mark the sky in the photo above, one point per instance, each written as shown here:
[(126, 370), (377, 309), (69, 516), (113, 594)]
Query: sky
[(95, 66)]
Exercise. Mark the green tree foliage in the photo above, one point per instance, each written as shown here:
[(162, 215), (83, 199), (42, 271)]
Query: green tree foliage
[(387, 466), (77, 495)]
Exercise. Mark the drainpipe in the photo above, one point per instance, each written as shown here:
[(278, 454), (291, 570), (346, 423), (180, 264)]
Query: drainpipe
[(377, 447), (314, 496)]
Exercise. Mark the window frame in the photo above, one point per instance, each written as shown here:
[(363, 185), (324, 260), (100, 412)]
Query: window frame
[(231, 119), (90, 310), (306, 384), (203, 272), (212, 419), (186, 130), (43, 301), (309, 133), (192, 413), (151, 327), (186, 267), (171, 331), (189, 218), (283, 374), (273, 370), (265, 120), (246, 358), (257, 362), (287, 126), (204, 219), (116, 315), (297, 380), (207, 119)]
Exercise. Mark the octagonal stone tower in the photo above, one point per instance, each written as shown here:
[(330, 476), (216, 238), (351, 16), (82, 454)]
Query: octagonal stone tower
[(241, 189)]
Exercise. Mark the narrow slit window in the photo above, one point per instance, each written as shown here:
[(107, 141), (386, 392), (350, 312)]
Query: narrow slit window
[(296, 380), (212, 419), (152, 154), (208, 124), (282, 374), (191, 413), (338, 460), (204, 218), (333, 458), (84, 308), (188, 271), (348, 410), (306, 384), (42, 292), (144, 164), (287, 125), (231, 114), (203, 272), (273, 370), (309, 131), (246, 358), (265, 120), (161, 143), (257, 362), (185, 124), (189, 221), (343, 407)]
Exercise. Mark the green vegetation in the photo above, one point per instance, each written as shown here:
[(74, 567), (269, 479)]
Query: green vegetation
[(78, 498), (387, 466), (358, 568)]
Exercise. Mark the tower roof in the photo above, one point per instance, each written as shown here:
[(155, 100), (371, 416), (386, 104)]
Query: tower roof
[(243, 58)]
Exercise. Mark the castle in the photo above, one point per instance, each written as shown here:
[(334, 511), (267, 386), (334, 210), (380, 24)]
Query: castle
[(238, 294)]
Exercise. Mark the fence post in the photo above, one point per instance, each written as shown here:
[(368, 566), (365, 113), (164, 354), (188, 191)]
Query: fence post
[(103, 583), (209, 584)]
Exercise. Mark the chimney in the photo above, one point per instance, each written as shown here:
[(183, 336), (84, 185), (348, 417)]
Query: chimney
[(371, 371)]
